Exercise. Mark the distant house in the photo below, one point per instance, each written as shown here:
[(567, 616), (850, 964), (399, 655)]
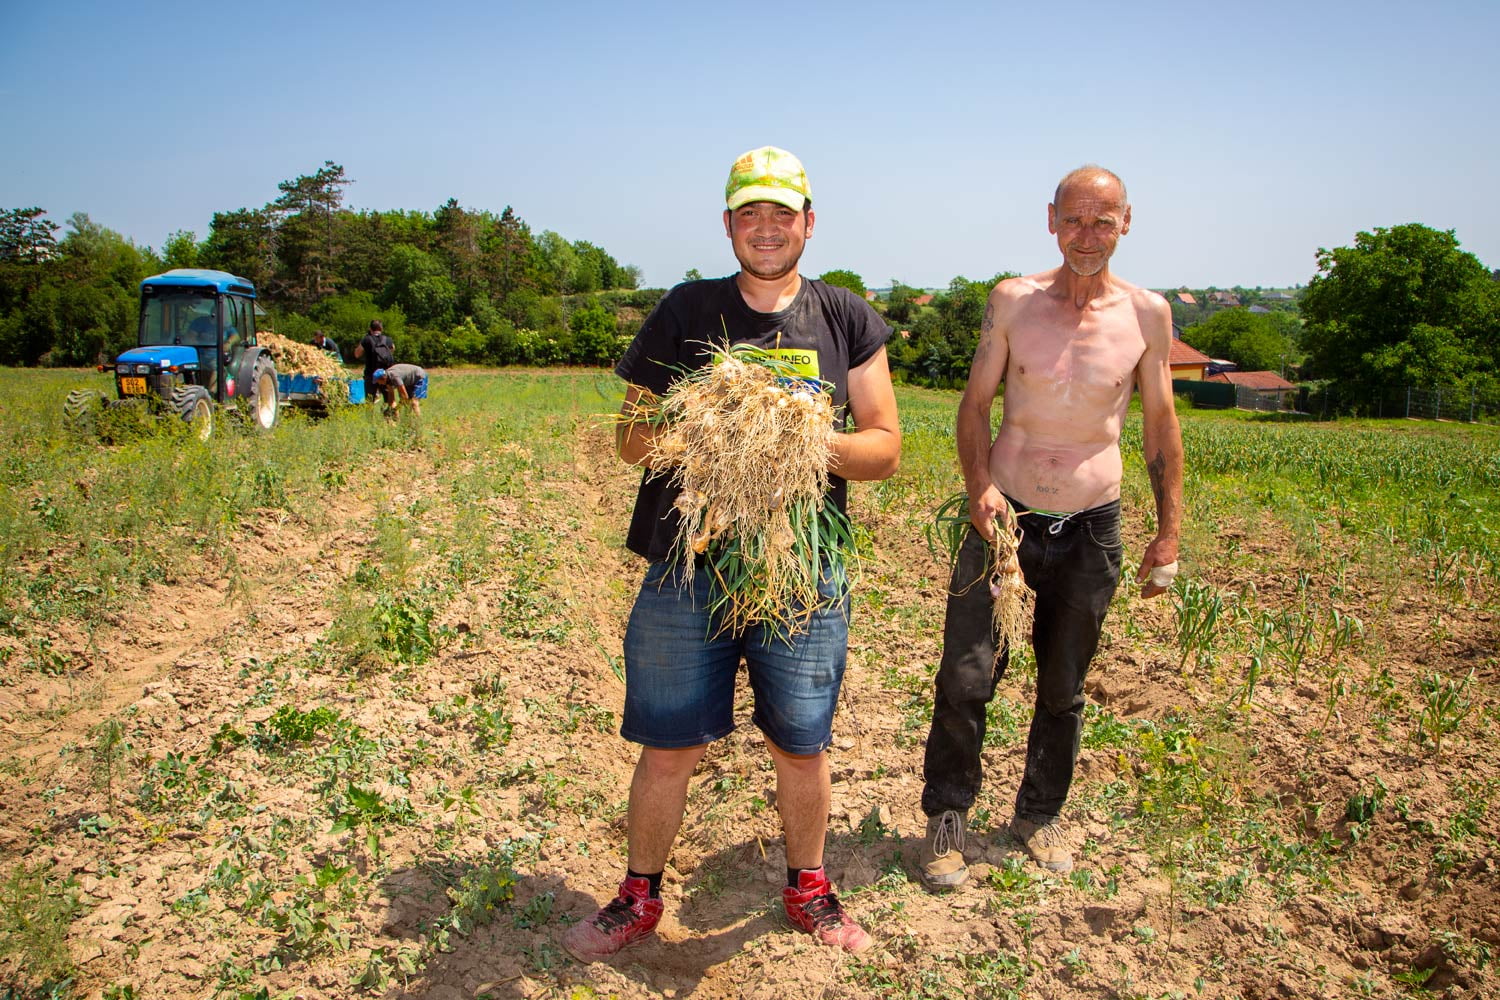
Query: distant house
[(869, 296), (1224, 298), (925, 299), (1259, 310), (1187, 298), (1266, 384), (1186, 361)]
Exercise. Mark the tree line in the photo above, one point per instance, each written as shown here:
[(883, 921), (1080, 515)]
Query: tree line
[(452, 286), (1404, 306), (1401, 306)]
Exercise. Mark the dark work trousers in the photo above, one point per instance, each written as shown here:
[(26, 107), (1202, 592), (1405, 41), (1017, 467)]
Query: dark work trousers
[(1073, 564)]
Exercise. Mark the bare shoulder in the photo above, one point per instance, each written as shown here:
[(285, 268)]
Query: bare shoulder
[(1024, 285), (1151, 308), (1010, 294), (1145, 298)]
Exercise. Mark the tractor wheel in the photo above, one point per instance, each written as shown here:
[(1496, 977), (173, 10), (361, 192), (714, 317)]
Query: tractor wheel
[(192, 402), (265, 405), (81, 409)]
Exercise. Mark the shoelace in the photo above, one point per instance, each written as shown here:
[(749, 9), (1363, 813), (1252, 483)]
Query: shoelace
[(824, 911), (1048, 835), (618, 912), (949, 835)]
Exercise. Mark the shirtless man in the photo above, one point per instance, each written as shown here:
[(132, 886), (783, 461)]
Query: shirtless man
[(1069, 344)]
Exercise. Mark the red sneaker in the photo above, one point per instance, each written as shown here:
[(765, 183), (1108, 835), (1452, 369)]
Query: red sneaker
[(812, 907), (624, 920)]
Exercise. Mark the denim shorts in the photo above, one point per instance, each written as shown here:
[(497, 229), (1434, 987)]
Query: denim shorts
[(680, 670)]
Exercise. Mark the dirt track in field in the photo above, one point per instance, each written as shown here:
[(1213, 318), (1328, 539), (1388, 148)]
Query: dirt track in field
[(196, 655)]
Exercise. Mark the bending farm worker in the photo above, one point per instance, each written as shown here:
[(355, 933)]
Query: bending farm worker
[(401, 384)]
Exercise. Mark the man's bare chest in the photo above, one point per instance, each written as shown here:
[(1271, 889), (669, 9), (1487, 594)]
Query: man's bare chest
[(1099, 350)]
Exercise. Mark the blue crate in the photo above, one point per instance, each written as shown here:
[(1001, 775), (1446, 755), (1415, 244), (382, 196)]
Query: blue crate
[(286, 384)]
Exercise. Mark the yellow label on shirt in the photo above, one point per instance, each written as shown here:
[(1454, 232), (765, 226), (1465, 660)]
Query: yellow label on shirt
[(802, 360)]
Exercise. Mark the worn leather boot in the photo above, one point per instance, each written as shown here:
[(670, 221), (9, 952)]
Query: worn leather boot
[(942, 864)]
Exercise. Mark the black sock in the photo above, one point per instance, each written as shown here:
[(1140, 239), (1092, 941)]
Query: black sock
[(792, 876), (655, 881)]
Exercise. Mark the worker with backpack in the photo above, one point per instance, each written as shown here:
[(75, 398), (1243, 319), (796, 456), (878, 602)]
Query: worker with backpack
[(378, 351)]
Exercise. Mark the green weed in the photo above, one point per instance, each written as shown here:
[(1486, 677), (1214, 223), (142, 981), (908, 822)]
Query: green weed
[(1199, 608), (385, 966), (107, 758), (492, 726), (479, 889), (1446, 704), (403, 628), (289, 726), (172, 782), (536, 913), (36, 909), (308, 920), (1186, 789), (365, 811), (1101, 729)]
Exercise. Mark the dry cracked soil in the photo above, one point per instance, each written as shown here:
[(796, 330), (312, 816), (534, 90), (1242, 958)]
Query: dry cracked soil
[(232, 877)]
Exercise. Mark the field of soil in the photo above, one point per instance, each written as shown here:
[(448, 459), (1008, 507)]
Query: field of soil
[(365, 744)]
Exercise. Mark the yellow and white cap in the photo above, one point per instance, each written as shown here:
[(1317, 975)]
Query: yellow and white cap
[(767, 174)]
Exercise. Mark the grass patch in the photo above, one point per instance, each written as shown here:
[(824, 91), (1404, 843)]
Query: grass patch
[(36, 909)]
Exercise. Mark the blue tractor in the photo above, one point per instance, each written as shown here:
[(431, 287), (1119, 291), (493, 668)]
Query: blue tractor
[(196, 351)]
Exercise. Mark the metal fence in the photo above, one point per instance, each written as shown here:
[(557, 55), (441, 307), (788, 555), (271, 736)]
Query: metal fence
[(1246, 398), (1466, 404), (1223, 396), (1205, 395), (1435, 404)]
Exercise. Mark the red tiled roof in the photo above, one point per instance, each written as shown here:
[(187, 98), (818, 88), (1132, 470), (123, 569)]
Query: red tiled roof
[(922, 300), (1186, 298), (1186, 354), (1253, 380)]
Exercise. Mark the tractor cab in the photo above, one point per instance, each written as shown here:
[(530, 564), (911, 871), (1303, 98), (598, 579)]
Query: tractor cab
[(195, 350), (196, 324), (196, 344)]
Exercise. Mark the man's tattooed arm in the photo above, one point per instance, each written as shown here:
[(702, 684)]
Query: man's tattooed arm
[(1157, 468)]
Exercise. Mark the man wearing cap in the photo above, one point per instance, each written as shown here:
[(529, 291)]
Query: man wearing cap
[(679, 669), (400, 383), (1069, 344)]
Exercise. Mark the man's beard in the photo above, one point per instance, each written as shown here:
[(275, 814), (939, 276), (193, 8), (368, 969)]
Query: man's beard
[(1098, 262), (771, 275)]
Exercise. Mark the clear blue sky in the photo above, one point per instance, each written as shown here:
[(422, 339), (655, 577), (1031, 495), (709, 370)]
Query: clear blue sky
[(1249, 135)]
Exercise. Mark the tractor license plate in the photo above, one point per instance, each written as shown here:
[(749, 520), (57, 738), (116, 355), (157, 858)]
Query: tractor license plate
[(133, 386)]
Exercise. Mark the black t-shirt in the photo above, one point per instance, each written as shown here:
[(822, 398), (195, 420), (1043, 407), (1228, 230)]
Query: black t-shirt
[(826, 331), (373, 346)]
